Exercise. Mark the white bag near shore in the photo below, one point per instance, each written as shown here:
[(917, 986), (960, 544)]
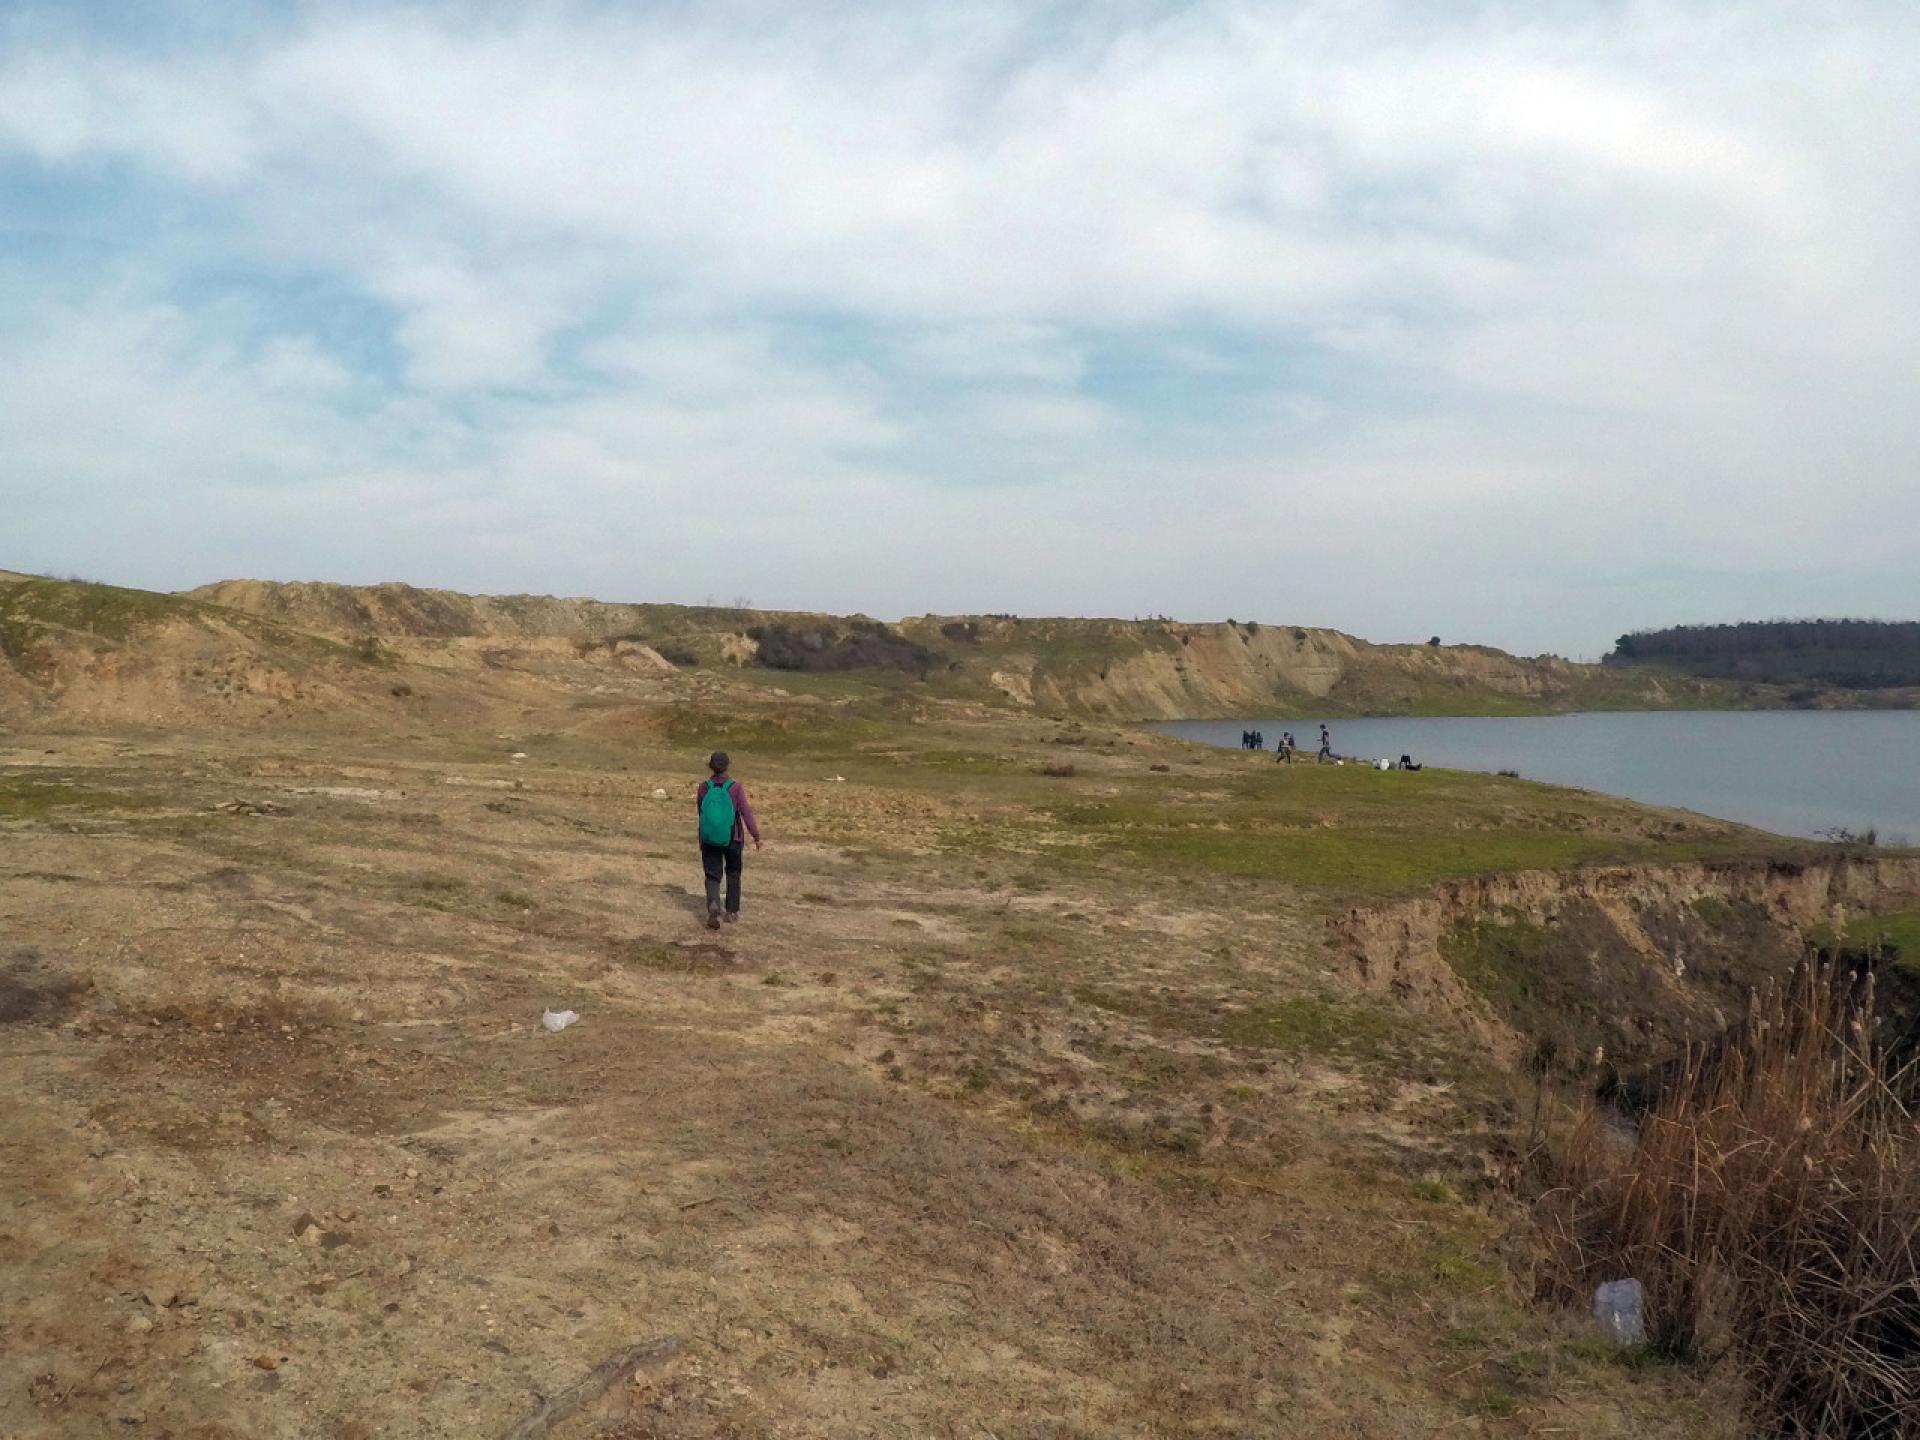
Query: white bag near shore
[(1618, 1310), (558, 1019)]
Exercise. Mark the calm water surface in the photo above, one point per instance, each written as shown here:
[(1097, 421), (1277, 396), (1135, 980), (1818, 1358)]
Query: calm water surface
[(1797, 772)]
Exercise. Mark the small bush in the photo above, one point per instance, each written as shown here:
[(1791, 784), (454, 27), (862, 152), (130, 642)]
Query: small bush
[(676, 653), (861, 645), (1850, 839), (1060, 769), (1770, 1207)]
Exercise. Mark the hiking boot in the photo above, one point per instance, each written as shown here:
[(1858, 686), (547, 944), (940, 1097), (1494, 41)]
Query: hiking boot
[(733, 917), (713, 917)]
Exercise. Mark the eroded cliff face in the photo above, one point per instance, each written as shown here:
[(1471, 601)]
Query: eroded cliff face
[(1119, 669), (394, 611), (1232, 670), (1156, 669), (1629, 960)]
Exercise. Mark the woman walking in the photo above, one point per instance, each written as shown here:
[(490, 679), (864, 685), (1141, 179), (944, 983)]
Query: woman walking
[(726, 819)]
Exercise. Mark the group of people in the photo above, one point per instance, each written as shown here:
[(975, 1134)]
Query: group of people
[(1288, 747)]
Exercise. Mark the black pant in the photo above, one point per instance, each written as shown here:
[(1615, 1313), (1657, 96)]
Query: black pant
[(715, 858)]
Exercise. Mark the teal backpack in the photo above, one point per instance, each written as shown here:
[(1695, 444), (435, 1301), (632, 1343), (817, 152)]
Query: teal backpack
[(716, 812)]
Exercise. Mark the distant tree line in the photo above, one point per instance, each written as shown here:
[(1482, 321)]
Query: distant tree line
[(1851, 654)]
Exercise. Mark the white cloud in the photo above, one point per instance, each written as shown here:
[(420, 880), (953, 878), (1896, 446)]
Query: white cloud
[(998, 351), (1619, 287)]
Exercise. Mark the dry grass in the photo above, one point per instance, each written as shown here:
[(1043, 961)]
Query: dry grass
[(1770, 1206), (982, 1139)]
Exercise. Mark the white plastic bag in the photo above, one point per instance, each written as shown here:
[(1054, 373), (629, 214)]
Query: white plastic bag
[(1618, 1310), (558, 1019)]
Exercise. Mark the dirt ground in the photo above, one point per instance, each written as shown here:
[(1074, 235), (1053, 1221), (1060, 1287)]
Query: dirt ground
[(945, 1139)]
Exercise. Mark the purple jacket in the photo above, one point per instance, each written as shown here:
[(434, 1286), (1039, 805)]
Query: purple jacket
[(742, 812)]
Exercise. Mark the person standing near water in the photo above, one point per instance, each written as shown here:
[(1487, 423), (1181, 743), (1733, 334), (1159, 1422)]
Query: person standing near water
[(726, 819), (1326, 747)]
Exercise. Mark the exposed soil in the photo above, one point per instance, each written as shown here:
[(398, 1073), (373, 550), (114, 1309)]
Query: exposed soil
[(945, 1138)]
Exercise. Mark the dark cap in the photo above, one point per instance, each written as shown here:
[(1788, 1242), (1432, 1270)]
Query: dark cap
[(718, 762)]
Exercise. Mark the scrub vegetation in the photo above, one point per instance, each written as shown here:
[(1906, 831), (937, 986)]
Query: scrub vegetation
[(1769, 1203)]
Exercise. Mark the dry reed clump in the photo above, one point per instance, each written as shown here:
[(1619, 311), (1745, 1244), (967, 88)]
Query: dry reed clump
[(1769, 1205)]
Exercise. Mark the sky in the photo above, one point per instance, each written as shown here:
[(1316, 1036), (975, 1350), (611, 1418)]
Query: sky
[(1523, 322)]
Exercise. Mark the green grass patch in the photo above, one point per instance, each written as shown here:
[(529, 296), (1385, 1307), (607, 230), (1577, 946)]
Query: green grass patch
[(1453, 1267), (1599, 1350), (1359, 860), (1897, 931), (1310, 1025), (109, 612), (1305, 1024), (116, 614), (785, 732), (32, 798), (954, 762), (1350, 830), (1449, 1266), (434, 892), (1569, 987), (826, 684), (1510, 962)]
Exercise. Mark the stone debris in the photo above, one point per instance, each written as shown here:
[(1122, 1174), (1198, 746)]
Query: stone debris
[(250, 807), (168, 1294)]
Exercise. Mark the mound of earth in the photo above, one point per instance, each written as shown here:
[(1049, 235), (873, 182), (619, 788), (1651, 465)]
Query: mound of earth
[(104, 653)]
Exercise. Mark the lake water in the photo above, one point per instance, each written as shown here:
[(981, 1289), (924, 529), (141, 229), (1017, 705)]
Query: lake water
[(1796, 772)]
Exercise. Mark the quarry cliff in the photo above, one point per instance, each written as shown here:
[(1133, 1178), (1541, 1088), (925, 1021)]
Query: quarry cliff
[(1118, 669)]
